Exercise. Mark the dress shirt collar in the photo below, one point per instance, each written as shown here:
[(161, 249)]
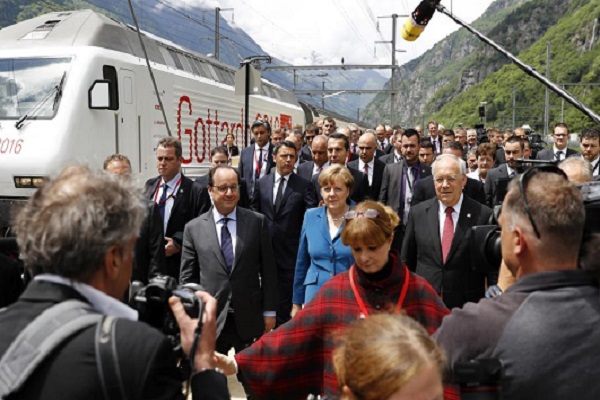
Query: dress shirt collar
[(397, 156), (102, 302), (218, 216), (172, 182), (456, 207), (509, 171), (556, 150), (316, 167), (265, 148), (277, 176), (361, 164)]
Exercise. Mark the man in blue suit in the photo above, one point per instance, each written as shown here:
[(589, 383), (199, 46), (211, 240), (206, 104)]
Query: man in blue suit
[(283, 197)]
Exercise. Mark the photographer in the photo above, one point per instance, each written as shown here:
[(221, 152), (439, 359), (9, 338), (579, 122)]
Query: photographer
[(544, 329), (76, 236)]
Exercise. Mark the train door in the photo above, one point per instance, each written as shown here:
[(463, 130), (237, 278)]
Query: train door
[(129, 130)]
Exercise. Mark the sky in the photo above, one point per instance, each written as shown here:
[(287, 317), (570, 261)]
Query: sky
[(306, 32)]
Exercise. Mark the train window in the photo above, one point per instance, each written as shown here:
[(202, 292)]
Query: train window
[(185, 63), (228, 76), (110, 74), (175, 57), (32, 86), (202, 69)]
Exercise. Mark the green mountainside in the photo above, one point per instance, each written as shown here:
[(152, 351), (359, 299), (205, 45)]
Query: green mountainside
[(450, 81)]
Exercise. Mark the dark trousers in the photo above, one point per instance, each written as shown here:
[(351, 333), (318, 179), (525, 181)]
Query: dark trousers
[(285, 281), (229, 338)]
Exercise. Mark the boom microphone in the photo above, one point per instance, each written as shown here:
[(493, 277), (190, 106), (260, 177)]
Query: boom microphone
[(419, 19)]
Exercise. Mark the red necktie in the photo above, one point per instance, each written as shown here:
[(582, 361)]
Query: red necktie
[(448, 233)]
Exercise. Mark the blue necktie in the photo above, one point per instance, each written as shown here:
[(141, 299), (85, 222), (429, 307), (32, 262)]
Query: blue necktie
[(227, 245), (162, 202)]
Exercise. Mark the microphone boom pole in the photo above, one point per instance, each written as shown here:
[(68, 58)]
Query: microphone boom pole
[(524, 67)]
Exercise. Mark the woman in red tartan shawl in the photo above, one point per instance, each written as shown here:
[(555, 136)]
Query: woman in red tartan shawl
[(296, 359)]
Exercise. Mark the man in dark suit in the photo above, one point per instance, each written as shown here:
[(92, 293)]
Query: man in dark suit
[(310, 132), (337, 150), (257, 160), (320, 159), (437, 239), (283, 197), (513, 149), (149, 249), (368, 164), (425, 188), (434, 136), (560, 149), (177, 200), (76, 237), (399, 179), (228, 251), (395, 155)]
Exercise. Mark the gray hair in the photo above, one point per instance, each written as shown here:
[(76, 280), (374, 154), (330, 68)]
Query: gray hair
[(580, 164), (462, 165), (69, 224)]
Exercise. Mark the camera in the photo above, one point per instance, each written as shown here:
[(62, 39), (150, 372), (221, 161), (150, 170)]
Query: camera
[(152, 303), (479, 379)]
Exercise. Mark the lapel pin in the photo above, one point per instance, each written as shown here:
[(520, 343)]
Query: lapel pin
[(468, 215)]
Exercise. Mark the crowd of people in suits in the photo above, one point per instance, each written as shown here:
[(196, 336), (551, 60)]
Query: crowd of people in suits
[(319, 226)]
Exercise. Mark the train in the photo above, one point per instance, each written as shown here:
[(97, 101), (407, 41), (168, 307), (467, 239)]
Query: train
[(75, 88)]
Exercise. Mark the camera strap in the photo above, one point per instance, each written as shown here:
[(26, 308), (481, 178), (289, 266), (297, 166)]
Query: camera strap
[(107, 360), (39, 338)]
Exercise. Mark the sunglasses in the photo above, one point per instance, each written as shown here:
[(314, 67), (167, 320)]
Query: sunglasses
[(524, 180), (368, 213)]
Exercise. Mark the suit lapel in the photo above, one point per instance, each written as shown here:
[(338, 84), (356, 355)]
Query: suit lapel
[(212, 238), (433, 221), (270, 200), (323, 224), (180, 194), (242, 229)]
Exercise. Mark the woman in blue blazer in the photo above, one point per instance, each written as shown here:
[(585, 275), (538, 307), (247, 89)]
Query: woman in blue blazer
[(321, 253)]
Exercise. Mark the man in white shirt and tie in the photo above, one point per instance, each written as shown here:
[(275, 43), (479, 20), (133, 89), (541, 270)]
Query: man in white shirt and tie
[(560, 149), (320, 159), (368, 164), (256, 161), (513, 151), (590, 148)]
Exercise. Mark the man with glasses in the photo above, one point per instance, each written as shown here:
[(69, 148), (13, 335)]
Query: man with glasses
[(309, 134), (228, 251), (437, 239), (545, 328), (177, 199), (218, 156), (559, 150), (513, 152), (283, 197)]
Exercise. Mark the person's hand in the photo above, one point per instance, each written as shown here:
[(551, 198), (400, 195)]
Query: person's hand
[(204, 357), (295, 309), (171, 248), (225, 364), (269, 324)]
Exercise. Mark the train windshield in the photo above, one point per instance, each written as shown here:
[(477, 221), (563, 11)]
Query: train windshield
[(31, 87)]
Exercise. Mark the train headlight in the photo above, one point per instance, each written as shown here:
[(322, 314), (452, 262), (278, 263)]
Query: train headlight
[(29, 182)]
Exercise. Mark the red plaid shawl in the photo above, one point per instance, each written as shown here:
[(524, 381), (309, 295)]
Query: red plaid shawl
[(295, 360)]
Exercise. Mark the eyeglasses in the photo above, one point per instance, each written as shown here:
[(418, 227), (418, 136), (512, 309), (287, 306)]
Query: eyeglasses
[(524, 179), (224, 189), (368, 213)]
